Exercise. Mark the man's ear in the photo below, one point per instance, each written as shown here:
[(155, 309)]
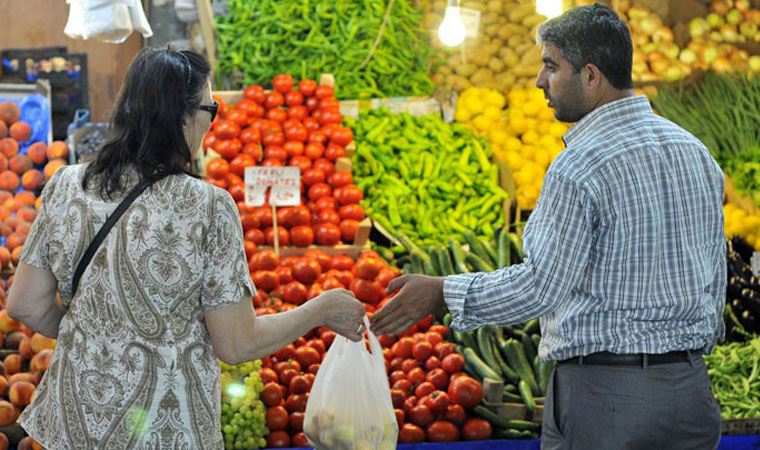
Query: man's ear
[(591, 77)]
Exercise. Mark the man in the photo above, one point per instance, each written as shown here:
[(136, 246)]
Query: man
[(625, 259)]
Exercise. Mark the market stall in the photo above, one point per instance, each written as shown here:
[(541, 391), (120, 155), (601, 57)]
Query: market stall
[(397, 143)]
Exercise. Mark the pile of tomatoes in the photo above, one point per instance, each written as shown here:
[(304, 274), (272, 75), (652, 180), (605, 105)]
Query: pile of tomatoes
[(299, 126), (431, 394)]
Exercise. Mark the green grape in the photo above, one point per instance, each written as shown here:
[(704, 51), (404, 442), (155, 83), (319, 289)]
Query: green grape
[(243, 415)]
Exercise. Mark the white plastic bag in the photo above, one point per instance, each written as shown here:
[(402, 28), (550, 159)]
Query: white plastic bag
[(106, 20), (350, 405)]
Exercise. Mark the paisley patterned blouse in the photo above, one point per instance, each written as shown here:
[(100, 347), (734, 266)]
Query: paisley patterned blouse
[(134, 367)]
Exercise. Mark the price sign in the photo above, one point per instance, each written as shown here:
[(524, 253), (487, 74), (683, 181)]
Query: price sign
[(471, 21), (283, 184)]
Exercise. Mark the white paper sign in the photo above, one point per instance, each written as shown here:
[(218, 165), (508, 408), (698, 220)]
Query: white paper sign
[(284, 184), (471, 21)]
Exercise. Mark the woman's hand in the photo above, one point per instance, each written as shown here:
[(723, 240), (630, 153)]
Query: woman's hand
[(341, 312)]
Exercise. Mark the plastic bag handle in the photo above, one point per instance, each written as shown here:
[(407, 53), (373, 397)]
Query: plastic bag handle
[(374, 343)]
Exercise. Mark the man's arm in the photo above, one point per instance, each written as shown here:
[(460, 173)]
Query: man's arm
[(558, 241)]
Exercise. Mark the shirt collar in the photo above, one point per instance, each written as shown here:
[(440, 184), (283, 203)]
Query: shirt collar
[(624, 109)]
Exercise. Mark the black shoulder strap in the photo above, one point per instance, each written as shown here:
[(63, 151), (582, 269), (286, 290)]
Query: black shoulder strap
[(103, 232)]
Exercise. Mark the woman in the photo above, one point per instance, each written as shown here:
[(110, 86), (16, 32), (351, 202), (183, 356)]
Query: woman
[(167, 292)]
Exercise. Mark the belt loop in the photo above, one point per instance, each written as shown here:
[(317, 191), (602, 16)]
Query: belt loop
[(580, 360), (645, 361), (689, 356)]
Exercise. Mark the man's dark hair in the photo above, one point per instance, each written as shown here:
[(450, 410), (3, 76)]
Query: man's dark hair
[(593, 34), (161, 88)]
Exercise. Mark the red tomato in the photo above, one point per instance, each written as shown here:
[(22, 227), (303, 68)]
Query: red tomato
[(264, 260), (274, 99), (297, 132), (432, 363), (276, 152), (293, 98), (329, 129), (365, 290), (227, 149), (296, 421), (465, 391), (296, 403), (439, 402), (299, 215), (317, 345), (254, 150), (324, 91), (318, 191), (411, 434), (321, 257), (453, 363), (445, 348), (318, 137), (330, 115), (408, 364), (294, 293), (422, 351), (421, 415), (385, 276), (327, 234), (438, 377), (342, 136), (341, 179), (218, 168), (368, 268), (255, 93), (283, 236), (209, 141), (283, 83), (272, 394), (226, 129), (314, 150), (277, 114), (302, 162), (400, 416), (298, 112), (416, 376), (249, 135), (341, 262), (313, 369), (476, 429), (442, 431), (283, 217), (307, 87), (325, 165), (307, 271), (284, 275), (328, 203), (397, 398), (239, 117), (256, 236), (410, 403), (334, 152), (249, 222), (240, 162), (348, 230), (404, 349), (278, 439), (349, 194), (395, 377), (285, 354), (329, 216), (302, 236), (268, 375), (250, 248), (424, 389), (309, 123), (271, 162), (277, 418), (307, 356), (300, 440), (294, 148), (266, 280)]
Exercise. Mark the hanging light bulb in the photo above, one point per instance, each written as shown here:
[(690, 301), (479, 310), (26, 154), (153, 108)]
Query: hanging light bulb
[(452, 32), (549, 8)]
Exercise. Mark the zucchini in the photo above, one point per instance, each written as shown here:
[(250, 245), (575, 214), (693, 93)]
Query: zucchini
[(447, 318), (509, 374), (516, 359), (510, 388), (526, 395), (434, 264), (447, 267), (456, 335), (457, 255), (512, 433), (545, 369), (504, 250), (510, 397), (501, 422), (468, 340), (517, 245), (532, 326), (478, 263), (493, 255), (485, 350), (478, 248), (417, 263), (530, 350), (480, 367)]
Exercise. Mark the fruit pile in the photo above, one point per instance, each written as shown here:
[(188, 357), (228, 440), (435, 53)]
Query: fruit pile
[(739, 222), (728, 21), (503, 56), (243, 412), (296, 126)]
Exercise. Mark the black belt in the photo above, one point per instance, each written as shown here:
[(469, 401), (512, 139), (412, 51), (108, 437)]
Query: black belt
[(637, 359)]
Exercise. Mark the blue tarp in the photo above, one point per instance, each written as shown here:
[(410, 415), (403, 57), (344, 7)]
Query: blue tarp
[(749, 442)]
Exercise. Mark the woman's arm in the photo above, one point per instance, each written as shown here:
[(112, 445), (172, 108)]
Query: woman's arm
[(32, 300), (237, 335)]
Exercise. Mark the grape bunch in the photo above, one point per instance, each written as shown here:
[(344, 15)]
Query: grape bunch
[(243, 413)]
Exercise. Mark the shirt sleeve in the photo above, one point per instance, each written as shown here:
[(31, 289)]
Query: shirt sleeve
[(557, 240), (36, 251), (718, 294), (226, 280)]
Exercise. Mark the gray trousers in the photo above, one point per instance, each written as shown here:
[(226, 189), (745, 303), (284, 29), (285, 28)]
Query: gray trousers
[(661, 407)]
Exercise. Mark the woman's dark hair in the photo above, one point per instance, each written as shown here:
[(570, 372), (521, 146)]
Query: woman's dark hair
[(593, 34), (161, 89)]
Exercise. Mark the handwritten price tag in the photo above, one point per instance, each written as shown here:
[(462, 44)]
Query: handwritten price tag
[(284, 184)]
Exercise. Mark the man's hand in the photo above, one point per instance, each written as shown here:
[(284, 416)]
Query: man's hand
[(418, 296)]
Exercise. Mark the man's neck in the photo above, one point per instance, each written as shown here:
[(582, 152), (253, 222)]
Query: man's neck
[(613, 95)]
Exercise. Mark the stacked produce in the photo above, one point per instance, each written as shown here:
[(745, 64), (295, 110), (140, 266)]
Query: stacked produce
[(425, 178), (739, 222), (374, 48), (243, 412), (742, 293), (503, 56), (722, 112), (508, 355), (728, 21), (733, 371), (296, 126)]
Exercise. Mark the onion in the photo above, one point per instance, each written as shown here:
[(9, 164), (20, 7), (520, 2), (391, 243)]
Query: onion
[(720, 7), (734, 17), (650, 24), (754, 63), (688, 56), (715, 20), (698, 27)]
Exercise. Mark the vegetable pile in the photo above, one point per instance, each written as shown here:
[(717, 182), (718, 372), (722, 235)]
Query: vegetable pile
[(503, 56), (296, 126), (243, 412), (734, 370), (742, 293), (425, 178), (374, 48)]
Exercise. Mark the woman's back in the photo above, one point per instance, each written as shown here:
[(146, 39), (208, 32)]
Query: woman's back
[(134, 367)]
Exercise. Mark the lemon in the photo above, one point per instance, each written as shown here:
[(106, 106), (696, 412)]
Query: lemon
[(543, 157), (495, 99), (536, 94), (548, 142), (531, 123), (530, 137), (493, 113), (556, 152), (757, 244), (557, 129), (737, 216), (515, 161), (530, 109), (546, 113), (498, 136), (517, 124), (463, 115), (528, 152), (512, 144), (753, 223), (474, 104), (517, 97), (482, 123), (543, 127)]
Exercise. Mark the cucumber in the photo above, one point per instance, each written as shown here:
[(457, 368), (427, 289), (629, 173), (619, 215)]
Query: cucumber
[(457, 335), (417, 263), (516, 359), (510, 397), (410, 246), (447, 267), (491, 251), (530, 350), (536, 341), (526, 395), (478, 263), (472, 372), (544, 375), (457, 255), (468, 340), (501, 422), (517, 246), (532, 326), (447, 318), (407, 268), (482, 338), (434, 264), (479, 365), (509, 374), (504, 249), (510, 388), (512, 434), (540, 400), (517, 333), (478, 248)]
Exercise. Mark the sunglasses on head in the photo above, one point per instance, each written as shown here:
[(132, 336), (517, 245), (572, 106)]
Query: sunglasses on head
[(212, 109)]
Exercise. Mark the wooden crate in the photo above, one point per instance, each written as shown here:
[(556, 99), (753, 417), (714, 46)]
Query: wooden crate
[(492, 399), (740, 426)]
